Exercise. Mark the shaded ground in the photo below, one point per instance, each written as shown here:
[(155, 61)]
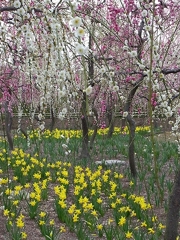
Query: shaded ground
[(166, 136)]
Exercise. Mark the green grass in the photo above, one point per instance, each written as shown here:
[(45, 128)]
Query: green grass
[(90, 201)]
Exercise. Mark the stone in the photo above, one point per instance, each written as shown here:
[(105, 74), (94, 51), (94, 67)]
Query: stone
[(111, 162)]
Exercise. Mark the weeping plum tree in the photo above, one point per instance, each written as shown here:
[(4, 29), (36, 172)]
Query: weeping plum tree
[(44, 42)]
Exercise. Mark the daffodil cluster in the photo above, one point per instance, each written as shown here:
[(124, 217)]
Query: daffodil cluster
[(61, 134), (87, 200)]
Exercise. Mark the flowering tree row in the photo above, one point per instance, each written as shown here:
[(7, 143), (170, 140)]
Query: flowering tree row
[(89, 55)]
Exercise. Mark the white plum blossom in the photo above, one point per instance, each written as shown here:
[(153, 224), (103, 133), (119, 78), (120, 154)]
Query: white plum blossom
[(76, 22), (122, 98), (169, 114), (116, 88), (80, 49), (74, 5), (133, 53), (111, 74), (155, 47), (42, 126), (24, 28), (21, 11), (79, 32), (64, 111), (61, 116), (88, 90), (17, 4), (144, 13), (163, 96), (125, 114), (29, 35), (148, 28), (102, 70), (40, 116), (141, 66), (111, 83), (61, 93)]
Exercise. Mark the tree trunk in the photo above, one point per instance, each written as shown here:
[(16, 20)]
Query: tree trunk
[(109, 114), (173, 211), (52, 120), (111, 126), (85, 138), (8, 124), (132, 128)]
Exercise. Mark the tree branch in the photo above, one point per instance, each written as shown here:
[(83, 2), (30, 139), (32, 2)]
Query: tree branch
[(169, 71), (8, 9), (11, 8)]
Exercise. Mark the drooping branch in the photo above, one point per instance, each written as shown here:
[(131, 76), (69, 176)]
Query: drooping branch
[(8, 9), (167, 71), (11, 9), (90, 60)]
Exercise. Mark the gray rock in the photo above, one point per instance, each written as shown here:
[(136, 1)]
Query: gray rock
[(111, 162)]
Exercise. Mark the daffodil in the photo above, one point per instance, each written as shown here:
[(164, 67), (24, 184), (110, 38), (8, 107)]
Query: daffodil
[(122, 221), (51, 222), (6, 212), (62, 229), (99, 226), (42, 214), (75, 218), (128, 234), (41, 222), (151, 230), (23, 235)]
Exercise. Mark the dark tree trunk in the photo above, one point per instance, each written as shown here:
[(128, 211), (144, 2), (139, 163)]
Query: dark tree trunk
[(52, 120), (8, 124), (85, 150), (109, 114), (173, 211), (132, 129), (84, 120), (85, 138), (111, 126)]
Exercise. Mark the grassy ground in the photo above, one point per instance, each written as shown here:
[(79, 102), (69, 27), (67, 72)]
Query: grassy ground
[(48, 192)]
